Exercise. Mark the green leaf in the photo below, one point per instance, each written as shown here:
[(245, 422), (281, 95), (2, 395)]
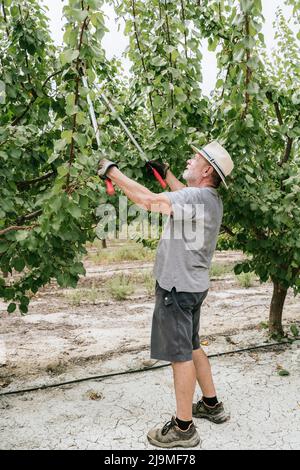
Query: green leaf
[(3, 247), (84, 202), (212, 44), (74, 210), (4, 156), (296, 98), (67, 136), (81, 139), (253, 88), (180, 95), (68, 56), (158, 61), (23, 308), (294, 330), (246, 5), (250, 179), (53, 157), (79, 15), (81, 118), (238, 269), (14, 11), (283, 372), (11, 308), (21, 235), (58, 147), (18, 264)]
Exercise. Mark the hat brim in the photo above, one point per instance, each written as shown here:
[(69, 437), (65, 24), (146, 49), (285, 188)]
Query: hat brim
[(196, 150)]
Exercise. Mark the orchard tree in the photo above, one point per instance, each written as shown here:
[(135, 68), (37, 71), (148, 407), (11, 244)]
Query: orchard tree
[(48, 185), (254, 111), (48, 153)]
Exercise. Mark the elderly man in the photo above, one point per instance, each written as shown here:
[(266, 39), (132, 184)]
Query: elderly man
[(182, 282)]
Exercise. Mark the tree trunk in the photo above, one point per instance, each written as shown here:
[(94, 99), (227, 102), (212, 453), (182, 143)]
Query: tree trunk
[(276, 308), (104, 245)]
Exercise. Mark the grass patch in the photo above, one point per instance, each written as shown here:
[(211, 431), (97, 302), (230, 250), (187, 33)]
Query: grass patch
[(219, 269), (129, 252), (147, 281), (120, 287), (246, 280), (78, 296)]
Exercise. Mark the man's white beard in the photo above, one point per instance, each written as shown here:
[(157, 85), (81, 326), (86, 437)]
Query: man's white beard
[(187, 175)]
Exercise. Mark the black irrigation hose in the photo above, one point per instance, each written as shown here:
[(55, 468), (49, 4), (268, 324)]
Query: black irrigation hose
[(135, 371)]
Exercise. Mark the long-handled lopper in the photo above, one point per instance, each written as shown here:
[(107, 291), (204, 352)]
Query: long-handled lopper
[(144, 157), (109, 186)]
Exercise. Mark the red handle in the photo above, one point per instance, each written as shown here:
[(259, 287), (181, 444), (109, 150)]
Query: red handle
[(110, 190), (159, 178)]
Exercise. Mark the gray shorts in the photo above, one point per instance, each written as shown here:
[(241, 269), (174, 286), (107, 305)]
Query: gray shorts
[(175, 324)]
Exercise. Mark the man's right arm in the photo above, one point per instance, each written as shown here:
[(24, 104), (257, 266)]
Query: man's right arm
[(173, 183), (163, 169)]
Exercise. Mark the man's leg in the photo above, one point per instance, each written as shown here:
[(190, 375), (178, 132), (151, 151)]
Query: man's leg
[(203, 373), (209, 407), (184, 375)]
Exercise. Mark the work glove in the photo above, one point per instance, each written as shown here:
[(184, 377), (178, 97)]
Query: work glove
[(160, 167), (104, 167)]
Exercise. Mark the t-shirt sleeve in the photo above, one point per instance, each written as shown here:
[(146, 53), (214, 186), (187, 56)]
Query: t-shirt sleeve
[(184, 203)]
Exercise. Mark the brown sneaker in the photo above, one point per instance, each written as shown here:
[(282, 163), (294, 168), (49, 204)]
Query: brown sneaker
[(214, 414), (172, 436)]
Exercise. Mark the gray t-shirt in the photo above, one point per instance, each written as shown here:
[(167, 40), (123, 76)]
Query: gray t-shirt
[(189, 240)]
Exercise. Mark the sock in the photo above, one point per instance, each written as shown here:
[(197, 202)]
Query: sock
[(183, 425), (213, 401)]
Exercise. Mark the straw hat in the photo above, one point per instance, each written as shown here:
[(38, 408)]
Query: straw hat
[(218, 157)]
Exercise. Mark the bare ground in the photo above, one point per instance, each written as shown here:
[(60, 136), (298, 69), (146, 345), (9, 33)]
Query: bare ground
[(58, 340)]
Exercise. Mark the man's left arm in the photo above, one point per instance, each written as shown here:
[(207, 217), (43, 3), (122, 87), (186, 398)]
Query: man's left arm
[(140, 195)]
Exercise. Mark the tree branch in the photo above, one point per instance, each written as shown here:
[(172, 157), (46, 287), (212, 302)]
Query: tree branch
[(220, 13), (5, 17), (276, 106), (278, 113), (24, 218), (170, 58), (227, 230), (288, 150), (290, 140), (143, 62), (51, 76), (72, 147), (14, 228), (26, 184), (185, 36), (248, 70)]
